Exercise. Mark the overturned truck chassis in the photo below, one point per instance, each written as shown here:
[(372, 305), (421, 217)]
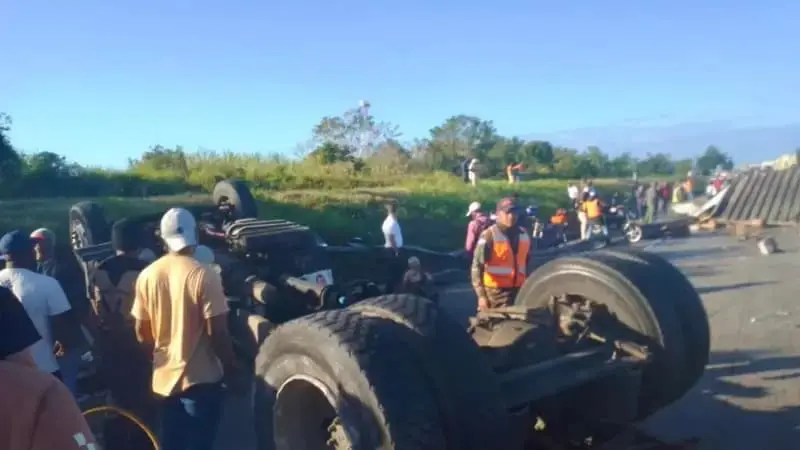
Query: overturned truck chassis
[(562, 370)]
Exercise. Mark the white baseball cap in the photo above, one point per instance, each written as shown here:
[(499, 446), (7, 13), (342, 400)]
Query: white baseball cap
[(204, 254), (474, 206), (178, 229)]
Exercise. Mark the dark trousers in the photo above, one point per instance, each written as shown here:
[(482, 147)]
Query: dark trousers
[(189, 420), (127, 371), (395, 267)]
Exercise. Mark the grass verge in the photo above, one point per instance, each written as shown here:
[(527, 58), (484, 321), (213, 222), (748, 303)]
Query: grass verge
[(431, 209)]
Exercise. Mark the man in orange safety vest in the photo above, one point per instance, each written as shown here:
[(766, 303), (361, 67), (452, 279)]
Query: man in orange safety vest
[(499, 265)]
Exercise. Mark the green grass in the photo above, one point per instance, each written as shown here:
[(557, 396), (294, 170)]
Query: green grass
[(431, 208)]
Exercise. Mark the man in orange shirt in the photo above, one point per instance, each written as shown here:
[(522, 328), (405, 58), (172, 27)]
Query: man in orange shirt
[(38, 412), (181, 316)]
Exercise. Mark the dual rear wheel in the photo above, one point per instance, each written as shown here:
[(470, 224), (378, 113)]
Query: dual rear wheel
[(396, 372)]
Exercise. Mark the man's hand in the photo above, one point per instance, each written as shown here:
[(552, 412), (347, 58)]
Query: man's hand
[(483, 303)]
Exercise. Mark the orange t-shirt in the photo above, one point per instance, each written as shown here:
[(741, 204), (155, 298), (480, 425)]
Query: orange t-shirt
[(38, 412), (177, 294)]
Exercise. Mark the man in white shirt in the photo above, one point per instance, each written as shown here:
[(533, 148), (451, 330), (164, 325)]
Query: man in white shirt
[(393, 237), (43, 299), (572, 192), (391, 229)]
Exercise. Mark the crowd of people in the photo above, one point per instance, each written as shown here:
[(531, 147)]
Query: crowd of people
[(160, 335)]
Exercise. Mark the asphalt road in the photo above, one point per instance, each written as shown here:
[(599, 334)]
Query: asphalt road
[(749, 397)]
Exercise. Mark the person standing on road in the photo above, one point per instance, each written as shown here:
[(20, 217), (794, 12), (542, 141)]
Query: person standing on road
[(125, 365), (479, 221), (573, 192), (584, 196), (593, 208), (43, 300), (74, 286), (393, 248), (641, 199), (181, 317), (651, 199), (499, 267)]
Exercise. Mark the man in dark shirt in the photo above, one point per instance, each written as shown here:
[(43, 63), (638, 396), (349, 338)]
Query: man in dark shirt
[(17, 332), (126, 366), (72, 282)]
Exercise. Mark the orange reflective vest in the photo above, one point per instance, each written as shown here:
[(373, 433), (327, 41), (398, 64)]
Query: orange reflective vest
[(503, 268), (592, 208)]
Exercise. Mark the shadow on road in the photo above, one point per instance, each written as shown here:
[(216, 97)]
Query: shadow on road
[(699, 271), (728, 287), (680, 255), (737, 405)]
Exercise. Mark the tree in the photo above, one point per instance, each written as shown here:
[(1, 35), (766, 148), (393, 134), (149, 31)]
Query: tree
[(10, 161), (457, 138), (331, 153), (162, 161), (713, 158), (356, 131)]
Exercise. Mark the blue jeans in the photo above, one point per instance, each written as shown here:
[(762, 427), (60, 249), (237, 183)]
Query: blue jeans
[(189, 420)]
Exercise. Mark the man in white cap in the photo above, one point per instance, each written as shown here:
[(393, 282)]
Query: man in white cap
[(479, 221), (190, 356)]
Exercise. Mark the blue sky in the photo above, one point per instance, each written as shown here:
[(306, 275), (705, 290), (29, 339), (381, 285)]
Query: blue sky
[(101, 81)]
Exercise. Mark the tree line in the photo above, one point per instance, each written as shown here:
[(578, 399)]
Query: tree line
[(344, 150), (359, 138)]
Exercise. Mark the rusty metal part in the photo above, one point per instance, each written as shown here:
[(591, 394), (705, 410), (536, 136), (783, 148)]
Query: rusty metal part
[(338, 438)]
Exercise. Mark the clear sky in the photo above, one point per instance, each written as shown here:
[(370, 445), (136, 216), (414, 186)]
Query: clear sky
[(101, 81)]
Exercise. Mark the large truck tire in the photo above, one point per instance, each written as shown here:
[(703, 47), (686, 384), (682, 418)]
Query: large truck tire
[(236, 193), (88, 225), (467, 387), (691, 312), (640, 302), (350, 381)]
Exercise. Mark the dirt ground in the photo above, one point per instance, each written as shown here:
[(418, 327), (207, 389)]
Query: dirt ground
[(749, 397)]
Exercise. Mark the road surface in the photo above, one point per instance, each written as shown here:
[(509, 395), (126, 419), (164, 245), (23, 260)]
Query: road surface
[(749, 397)]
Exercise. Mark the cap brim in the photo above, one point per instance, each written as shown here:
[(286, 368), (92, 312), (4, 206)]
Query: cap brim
[(177, 243)]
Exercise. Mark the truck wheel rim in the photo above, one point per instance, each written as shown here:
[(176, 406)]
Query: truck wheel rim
[(79, 237), (634, 234), (306, 417)]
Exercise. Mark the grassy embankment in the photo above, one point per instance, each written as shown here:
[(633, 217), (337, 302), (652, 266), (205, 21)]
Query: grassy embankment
[(431, 211), (334, 200)]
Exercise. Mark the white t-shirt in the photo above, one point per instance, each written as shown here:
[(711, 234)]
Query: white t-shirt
[(572, 191), (42, 297), (391, 227)]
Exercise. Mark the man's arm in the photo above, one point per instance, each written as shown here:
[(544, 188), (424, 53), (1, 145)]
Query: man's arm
[(482, 249), (66, 325), (472, 228), (211, 297), (141, 313), (17, 332)]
